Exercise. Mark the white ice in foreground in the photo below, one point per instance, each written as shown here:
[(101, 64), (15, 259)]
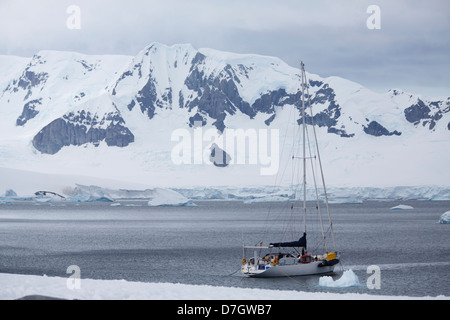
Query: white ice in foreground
[(18, 286), (445, 218), (348, 279), (402, 207)]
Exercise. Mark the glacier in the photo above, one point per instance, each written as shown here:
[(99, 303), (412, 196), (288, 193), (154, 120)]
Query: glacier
[(251, 194), (61, 188), (17, 185), (156, 197)]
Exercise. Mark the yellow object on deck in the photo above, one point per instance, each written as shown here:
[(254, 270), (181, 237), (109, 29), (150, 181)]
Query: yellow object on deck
[(331, 256)]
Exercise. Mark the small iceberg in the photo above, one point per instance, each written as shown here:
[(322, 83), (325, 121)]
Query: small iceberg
[(167, 197), (8, 197), (402, 207), (445, 218), (9, 194), (348, 279)]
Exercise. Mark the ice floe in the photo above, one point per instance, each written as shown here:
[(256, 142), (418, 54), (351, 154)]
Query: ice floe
[(445, 218), (348, 279), (402, 207), (18, 286)]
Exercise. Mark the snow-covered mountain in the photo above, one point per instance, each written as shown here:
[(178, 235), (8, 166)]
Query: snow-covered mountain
[(115, 117)]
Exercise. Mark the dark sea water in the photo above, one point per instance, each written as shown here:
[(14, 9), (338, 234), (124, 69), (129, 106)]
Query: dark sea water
[(203, 244)]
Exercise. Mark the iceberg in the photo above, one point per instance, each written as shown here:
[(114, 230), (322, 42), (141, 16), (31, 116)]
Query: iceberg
[(348, 279), (445, 218), (402, 207), (9, 194), (8, 197), (167, 197)]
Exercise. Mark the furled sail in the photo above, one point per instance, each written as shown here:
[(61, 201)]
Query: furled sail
[(300, 243)]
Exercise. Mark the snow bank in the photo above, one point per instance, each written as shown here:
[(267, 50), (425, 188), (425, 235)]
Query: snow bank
[(348, 279), (402, 207), (445, 218), (18, 286)]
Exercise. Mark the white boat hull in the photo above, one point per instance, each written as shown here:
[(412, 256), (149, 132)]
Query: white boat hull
[(299, 269)]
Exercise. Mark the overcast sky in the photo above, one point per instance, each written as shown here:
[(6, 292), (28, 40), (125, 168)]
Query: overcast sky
[(411, 51)]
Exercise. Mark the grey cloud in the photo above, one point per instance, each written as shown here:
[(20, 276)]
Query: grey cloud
[(410, 50)]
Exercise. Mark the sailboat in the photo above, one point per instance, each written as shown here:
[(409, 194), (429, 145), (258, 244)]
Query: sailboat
[(294, 257)]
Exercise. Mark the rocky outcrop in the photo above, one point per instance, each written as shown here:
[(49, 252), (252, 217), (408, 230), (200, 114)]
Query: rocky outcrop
[(29, 112), (426, 113), (377, 130), (82, 127)]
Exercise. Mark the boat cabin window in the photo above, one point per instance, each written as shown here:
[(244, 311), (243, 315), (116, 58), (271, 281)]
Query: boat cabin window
[(305, 259)]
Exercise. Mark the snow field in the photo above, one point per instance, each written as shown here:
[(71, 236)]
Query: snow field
[(18, 286)]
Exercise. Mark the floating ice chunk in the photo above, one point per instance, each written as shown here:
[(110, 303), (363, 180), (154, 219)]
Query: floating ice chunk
[(445, 218), (7, 197), (270, 198), (402, 207), (167, 197), (348, 279)]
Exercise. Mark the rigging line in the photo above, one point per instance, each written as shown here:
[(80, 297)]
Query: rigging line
[(317, 193), (228, 275), (300, 283), (295, 173), (321, 168), (279, 176), (304, 144)]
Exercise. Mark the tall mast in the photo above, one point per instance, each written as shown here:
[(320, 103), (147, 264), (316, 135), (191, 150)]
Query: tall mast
[(304, 144), (321, 174), (318, 156)]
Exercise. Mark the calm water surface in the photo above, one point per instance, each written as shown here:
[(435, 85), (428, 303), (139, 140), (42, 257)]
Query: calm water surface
[(203, 244)]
